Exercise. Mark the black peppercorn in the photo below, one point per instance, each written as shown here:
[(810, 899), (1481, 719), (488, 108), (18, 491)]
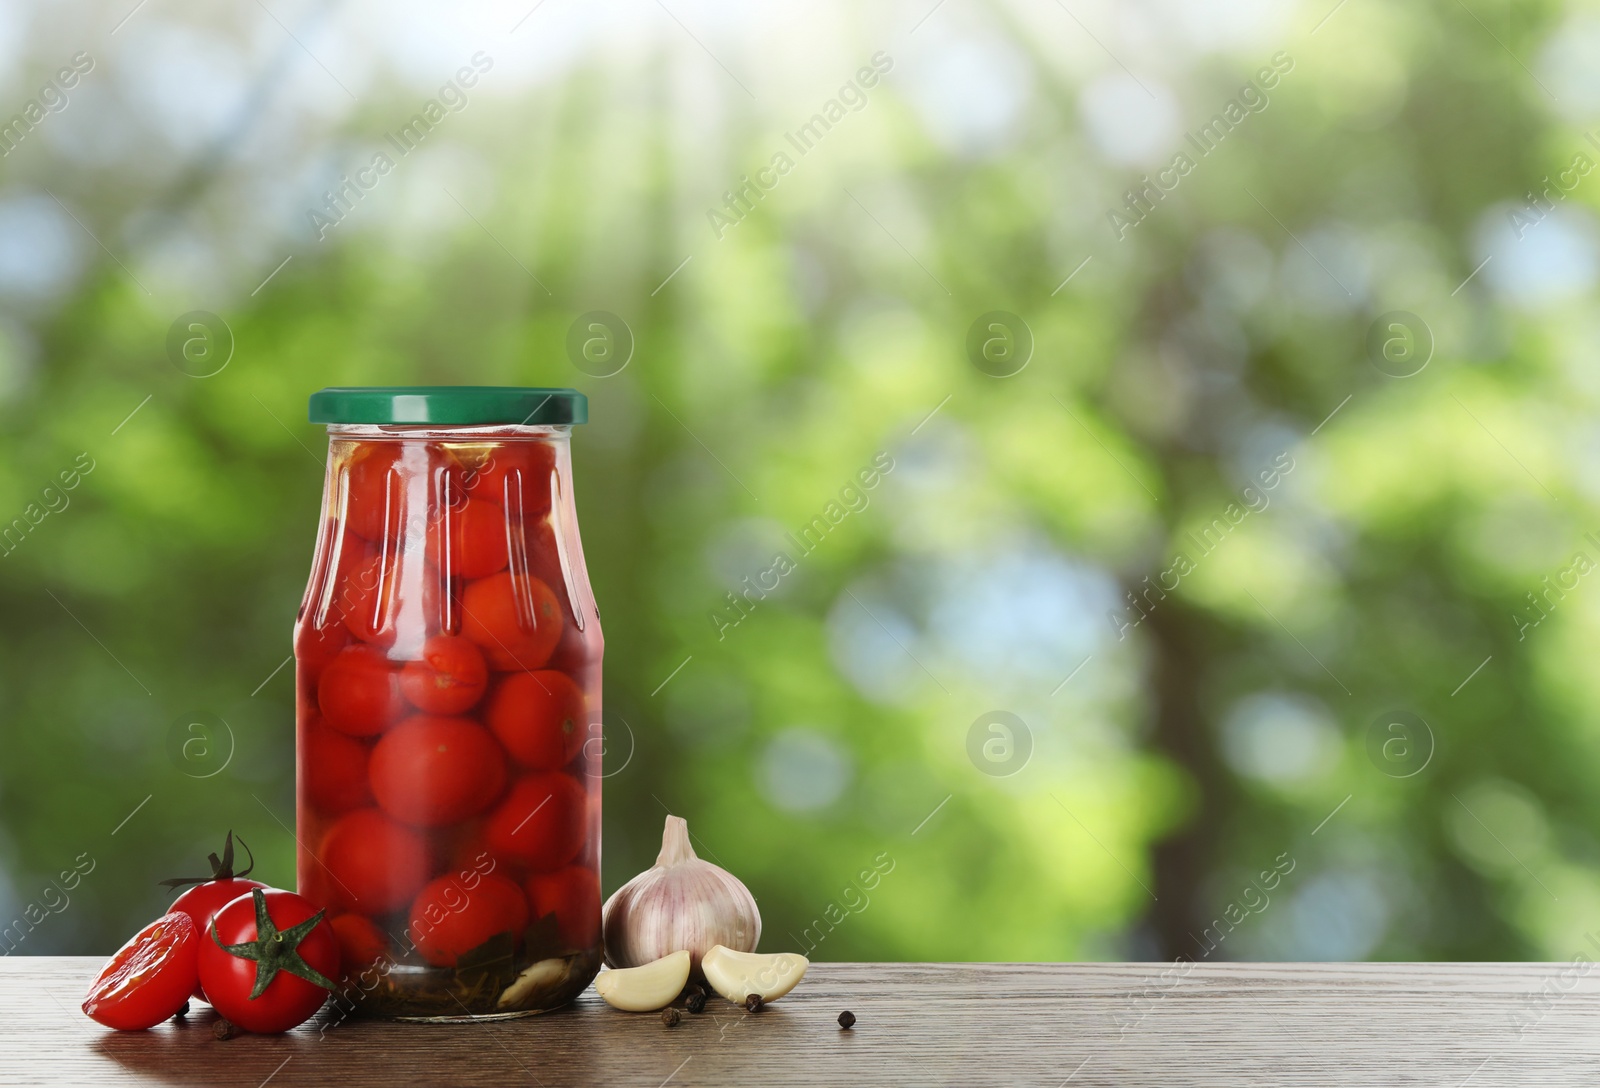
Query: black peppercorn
[(181, 1013), (224, 1029), (670, 1017), (696, 1002), (847, 1020), (753, 1002)]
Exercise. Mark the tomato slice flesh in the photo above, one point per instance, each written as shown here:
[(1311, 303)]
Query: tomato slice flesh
[(149, 978)]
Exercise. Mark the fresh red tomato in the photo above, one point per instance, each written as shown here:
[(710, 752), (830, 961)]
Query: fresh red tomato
[(374, 865), (333, 769), (573, 896), (269, 961), (210, 894), (149, 978), (539, 717), (449, 679), (202, 902), (540, 823), (477, 535), (452, 916), (361, 943), (359, 692), (376, 490), (518, 477), (517, 621), (430, 771)]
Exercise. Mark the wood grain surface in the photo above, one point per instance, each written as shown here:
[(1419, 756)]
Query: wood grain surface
[(1051, 1025)]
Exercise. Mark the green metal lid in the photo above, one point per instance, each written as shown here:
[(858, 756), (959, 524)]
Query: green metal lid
[(449, 405)]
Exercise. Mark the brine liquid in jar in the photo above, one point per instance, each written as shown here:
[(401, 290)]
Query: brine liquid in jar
[(447, 659)]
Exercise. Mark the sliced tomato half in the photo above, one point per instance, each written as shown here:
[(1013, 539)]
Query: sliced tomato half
[(149, 978)]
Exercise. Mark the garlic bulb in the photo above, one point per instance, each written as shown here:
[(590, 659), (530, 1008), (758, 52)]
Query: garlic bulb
[(680, 903)]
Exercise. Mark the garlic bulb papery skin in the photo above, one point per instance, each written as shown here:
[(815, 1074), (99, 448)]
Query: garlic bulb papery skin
[(680, 903)]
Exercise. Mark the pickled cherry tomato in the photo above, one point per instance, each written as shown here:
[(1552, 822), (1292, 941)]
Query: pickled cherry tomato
[(573, 896), (361, 943), (544, 558), (431, 771), (318, 646), (539, 717), (540, 823), (376, 489), (449, 679), (333, 766), (347, 553), (469, 849), (573, 653), (451, 917), (374, 864), (478, 540), (359, 692), (514, 634), (517, 476), (367, 600)]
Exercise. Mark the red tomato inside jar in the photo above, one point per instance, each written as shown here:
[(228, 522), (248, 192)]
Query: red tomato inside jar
[(447, 659)]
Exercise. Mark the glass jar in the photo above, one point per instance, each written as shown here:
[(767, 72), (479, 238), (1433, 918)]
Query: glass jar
[(447, 664)]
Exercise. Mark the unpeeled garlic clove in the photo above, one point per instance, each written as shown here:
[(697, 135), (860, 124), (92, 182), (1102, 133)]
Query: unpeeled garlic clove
[(737, 975), (644, 989)]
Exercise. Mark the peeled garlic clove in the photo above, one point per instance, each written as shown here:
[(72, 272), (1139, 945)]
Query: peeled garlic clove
[(737, 975), (544, 975), (681, 902), (645, 989)]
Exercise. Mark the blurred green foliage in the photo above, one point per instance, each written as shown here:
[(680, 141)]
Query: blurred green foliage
[(828, 731)]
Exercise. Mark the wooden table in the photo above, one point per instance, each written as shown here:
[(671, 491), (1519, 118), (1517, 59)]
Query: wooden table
[(918, 1024)]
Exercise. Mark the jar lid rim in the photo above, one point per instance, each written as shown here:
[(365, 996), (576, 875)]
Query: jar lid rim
[(448, 405)]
